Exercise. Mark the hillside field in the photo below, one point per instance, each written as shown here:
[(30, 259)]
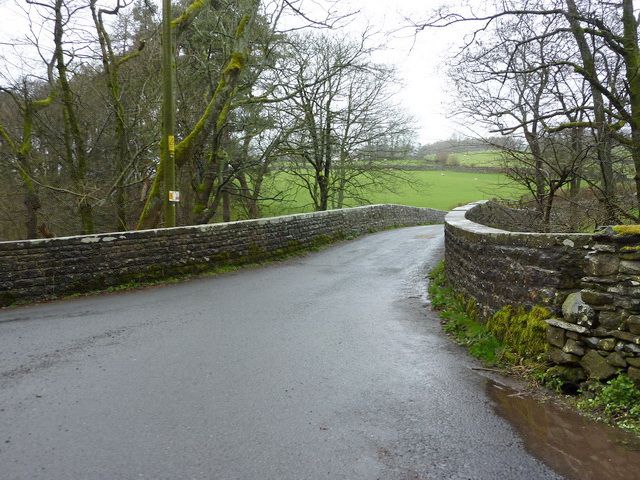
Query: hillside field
[(435, 189), (487, 158)]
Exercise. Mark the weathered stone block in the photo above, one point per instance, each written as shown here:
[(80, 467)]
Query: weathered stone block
[(607, 344), (629, 303), (591, 342), (630, 256), (631, 267), (573, 347), (575, 310), (633, 324), (600, 332), (594, 297), (604, 247), (634, 374), (554, 322), (602, 264), (555, 336), (610, 319), (616, 360), (631, 348), (595, 281), (559, 357), (596, 366), (633, 361), (570, 374), (626, 336)]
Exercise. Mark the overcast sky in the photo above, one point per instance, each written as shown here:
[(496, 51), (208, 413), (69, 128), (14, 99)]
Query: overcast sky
[(420, 59)]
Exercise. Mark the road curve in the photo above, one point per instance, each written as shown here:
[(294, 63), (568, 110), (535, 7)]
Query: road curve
[(327, 366)]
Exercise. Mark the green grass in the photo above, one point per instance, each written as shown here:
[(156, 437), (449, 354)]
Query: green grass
[(478, 159), (487, 158), (460, 322), (442, 190)]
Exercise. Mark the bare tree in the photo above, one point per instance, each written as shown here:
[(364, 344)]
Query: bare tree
[(342, 103), (589, 39)]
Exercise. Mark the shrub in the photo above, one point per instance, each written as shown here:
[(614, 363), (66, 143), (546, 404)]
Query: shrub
[(442, 156)]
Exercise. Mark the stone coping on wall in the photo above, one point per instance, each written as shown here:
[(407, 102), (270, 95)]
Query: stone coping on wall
[(112, 236), (456, 220)]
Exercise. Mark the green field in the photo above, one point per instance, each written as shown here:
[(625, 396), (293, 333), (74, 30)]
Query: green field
[(478, 159), (436, 189), (487, 158)]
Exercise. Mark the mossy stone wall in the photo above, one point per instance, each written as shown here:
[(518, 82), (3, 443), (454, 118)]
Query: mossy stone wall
[(591, 283), (498, 267), (46, 268)]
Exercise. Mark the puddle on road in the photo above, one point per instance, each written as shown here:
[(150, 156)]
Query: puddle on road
[(570, 444)]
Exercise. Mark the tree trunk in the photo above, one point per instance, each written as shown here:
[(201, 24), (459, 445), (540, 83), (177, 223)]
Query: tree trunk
[(32, 204), (534, 145), (602, 137), (75, 150), (632, 58), (250, 198), (226, 205), (323, 193), (86, 218)]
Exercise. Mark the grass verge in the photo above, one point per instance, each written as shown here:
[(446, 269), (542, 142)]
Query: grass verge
[(511, 338)]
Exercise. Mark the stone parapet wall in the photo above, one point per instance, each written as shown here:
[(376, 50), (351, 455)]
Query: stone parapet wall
[(590, 282), (498, 267), (599, 330), (46, 268), (493, 214)]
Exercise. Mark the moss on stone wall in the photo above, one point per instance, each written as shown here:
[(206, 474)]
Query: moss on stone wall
[(627, 229), (522, 332), (517, 334)]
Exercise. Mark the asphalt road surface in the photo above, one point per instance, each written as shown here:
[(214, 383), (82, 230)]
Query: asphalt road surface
[(327, 366)]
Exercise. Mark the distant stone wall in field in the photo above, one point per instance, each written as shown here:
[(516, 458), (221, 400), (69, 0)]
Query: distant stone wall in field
[(590, 282), (46, 268)]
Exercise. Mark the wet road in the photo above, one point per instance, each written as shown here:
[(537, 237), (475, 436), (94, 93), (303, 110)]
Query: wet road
[(326, 366)]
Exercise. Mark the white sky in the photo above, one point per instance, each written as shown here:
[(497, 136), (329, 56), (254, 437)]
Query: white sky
[(419, 60)]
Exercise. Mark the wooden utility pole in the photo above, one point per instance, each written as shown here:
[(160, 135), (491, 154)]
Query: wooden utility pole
[(167, 154)]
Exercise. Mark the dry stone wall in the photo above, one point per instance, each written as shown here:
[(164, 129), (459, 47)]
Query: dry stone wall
[(46, 268), (493, 214), (599, 330), (590, 282), (498, 267)]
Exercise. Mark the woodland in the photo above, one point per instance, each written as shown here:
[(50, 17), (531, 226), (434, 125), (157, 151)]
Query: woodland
[(130, 102), (127, 104)]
